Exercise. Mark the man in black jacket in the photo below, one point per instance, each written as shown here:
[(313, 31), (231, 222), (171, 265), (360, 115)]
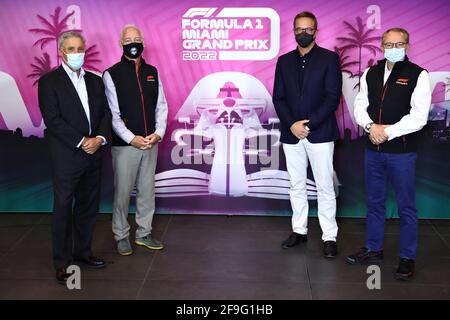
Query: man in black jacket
[(75, 111), (306, 94)]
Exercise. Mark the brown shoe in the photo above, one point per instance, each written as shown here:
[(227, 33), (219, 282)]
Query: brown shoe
[(62, 275)]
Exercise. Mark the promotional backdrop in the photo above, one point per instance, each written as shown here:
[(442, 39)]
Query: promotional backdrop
[(221, 153)]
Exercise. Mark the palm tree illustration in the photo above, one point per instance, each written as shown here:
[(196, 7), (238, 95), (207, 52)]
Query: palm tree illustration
[(90, 58), (40, 67), (359, 37), (52, 29), (345, 65)]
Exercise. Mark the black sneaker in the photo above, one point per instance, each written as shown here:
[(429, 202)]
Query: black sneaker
[(365, 256), (293, 240), (405, 269), (330, 249)]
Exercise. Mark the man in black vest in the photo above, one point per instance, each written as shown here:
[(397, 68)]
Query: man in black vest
[(392, 106), (139, 111), (75, 111)]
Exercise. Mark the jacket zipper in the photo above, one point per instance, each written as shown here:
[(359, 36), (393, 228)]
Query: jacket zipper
[(142, 101), (380, 113)]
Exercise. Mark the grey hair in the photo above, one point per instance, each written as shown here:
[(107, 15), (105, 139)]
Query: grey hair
[(400, 30), (69, 34), (130, 26)]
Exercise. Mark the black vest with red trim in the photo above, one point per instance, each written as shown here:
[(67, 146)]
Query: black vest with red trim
[(390, 102), (137, 94)]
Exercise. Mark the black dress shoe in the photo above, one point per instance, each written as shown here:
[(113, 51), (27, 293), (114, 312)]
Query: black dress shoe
[(330, 249), (365, 257), (62, 275), (92, 262), (293, 240), (405, 269)]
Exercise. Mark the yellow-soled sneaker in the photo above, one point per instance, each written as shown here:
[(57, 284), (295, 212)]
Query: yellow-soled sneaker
[(149, 242), (124, 247)]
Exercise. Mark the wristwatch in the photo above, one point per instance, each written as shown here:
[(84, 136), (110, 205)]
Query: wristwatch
[(367, 127)]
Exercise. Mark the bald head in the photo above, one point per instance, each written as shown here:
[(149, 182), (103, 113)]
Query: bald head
[(131, 33)]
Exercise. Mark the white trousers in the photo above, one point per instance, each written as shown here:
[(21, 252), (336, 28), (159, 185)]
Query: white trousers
[(320, 156)]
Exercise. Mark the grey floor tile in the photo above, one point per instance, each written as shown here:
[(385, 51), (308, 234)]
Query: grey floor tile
[(20, 219), (441, 226), (190, 240), (27, 265), (37, 239), (10, 236), (228, 267), (221, 290), (446, 240), (49, 289), (221, 257)]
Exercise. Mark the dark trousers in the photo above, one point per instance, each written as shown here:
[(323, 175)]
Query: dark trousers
[(399, 170), (76, 201)]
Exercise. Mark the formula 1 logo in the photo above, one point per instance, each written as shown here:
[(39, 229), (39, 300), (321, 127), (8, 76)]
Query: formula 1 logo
[(230, 34), (202, 12)]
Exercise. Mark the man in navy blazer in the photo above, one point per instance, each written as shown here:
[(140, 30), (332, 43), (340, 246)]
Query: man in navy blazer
[(306, 94), (76, 113)]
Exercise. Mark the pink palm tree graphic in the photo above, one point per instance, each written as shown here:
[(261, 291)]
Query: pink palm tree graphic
[(40, 67), (360, 38), (52, 29)]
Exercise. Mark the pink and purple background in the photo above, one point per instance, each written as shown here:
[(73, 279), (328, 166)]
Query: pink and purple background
[(101, 21), (25, 185)]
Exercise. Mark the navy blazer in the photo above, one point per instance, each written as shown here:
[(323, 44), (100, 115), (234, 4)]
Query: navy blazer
[(322, 88)]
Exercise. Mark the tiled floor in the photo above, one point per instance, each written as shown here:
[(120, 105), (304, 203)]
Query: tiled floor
[(219, 257)]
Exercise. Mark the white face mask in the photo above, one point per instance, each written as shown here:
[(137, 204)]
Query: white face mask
[(394, 55), (75, 60)]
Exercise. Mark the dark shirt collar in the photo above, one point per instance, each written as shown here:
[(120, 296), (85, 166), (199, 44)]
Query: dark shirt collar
[(309, 54)]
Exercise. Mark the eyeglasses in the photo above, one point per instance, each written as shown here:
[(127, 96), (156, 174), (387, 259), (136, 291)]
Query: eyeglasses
[(390, 45), (130, 40), (307, 30), (73, 50)]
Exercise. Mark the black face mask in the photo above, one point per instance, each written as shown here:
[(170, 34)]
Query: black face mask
[(133, 50), (304, 39)]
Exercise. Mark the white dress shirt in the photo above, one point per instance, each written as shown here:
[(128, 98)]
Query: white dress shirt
[(412, 122), (80, 86), (119, 126)]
